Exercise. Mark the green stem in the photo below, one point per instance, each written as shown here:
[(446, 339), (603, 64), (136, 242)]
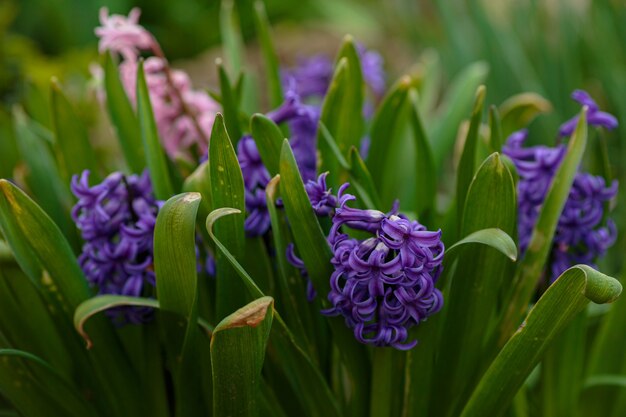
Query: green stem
[(382, 391)]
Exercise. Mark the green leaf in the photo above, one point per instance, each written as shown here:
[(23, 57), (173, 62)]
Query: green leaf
[(494, 238), (229, 103), (495, 130), (9, 155), (43, 179), (518, 111), (74, 152), (155, 156), (231, 38), (558, 306), (237, 354), (456, 104), (177, 292), (316, 254), (429, 81), (305, 227), (289, 281), (342, 110), (123, 118), (270, 58), (425, 178), (98, 304), (227, 190), (64, 286), (303, 375), (334, 151), (465, 170), (473, 295), (35, 389), (531, 266), (605, 380), (383, 126), (269, 139), (362, 180)]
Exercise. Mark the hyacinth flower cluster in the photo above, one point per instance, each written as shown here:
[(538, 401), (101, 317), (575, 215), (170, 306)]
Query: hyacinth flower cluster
[(582, 235), (305, 86), (382, 285), (116, 219), (184, 116)]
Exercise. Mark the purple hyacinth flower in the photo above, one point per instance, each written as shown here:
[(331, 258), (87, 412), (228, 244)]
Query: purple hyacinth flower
[(116, 219), (580, 237), (322, 199), (595, 117), (385, 284)]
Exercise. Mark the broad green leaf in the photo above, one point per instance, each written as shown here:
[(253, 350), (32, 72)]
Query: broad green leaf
[(270, 58), (177, 292), (174, 254), (74, 152), (465, 170), (529, 270), (303, 375), (229, 103), (342, 110), (558, 306), (123, 118), (36, 104), (316, 254), (518, 111), (231, 38), (429, 81), (333, 149), (383, 127), (227, 190), (425, 178), (35, 389), (269, 139), (199, 181), (237, 353), (64, 286), (456, 104), (473, 294), (155, 155), (43, 178)]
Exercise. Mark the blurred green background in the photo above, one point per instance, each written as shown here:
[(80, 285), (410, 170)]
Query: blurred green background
[(548, 47)]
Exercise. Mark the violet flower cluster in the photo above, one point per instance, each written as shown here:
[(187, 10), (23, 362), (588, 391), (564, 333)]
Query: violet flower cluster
[(307, 83), (184, 116), (382, 285), (116, 219), (582, 235)]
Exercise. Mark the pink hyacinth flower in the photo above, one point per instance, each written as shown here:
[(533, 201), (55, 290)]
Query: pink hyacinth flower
[(123, 34)]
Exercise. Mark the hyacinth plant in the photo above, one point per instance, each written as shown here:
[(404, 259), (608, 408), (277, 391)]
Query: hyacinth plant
[(310, 259)]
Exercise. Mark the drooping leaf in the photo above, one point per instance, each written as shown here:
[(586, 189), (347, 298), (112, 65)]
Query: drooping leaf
[(518, 111), (237, 353), (558, 306), (153, 150)]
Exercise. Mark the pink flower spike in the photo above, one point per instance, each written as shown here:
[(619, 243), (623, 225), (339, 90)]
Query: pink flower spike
[(123, 35)]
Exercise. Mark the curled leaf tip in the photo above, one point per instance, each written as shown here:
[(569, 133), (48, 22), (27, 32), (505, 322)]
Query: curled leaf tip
[(251, 315)]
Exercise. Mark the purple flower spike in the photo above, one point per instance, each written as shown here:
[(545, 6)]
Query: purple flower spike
[(581, 237), (385, 284), (595, 117), (322, 199), (116, 219)]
